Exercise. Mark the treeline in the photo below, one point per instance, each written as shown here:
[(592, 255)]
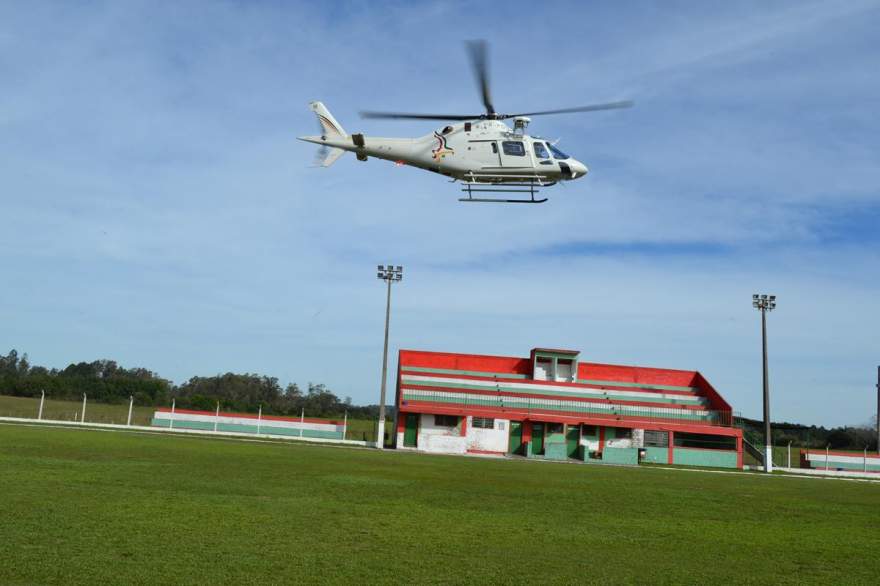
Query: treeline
[(105, 381), (811, 436)]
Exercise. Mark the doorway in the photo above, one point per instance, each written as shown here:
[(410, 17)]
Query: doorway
[(411, 431), (514, 445), (537, 438), (573, 440)]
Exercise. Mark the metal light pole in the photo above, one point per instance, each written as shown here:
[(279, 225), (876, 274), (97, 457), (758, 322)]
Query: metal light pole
[(389, 274), (765, 303)]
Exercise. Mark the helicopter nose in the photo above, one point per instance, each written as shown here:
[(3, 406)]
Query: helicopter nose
[(578, 169)]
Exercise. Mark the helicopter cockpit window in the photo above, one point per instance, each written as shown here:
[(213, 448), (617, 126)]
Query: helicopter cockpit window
[(557, 154), (447, 130), (540, 151), (514, 148)]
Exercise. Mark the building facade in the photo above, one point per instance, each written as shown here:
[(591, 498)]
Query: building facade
[(552, 405)]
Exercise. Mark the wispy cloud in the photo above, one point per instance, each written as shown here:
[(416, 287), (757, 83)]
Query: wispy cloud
[(156, 207)]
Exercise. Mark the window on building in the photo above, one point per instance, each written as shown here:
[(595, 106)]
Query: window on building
[(554, 428), (564, 368), (590, 430), (541, 151), (656, 439), (707, 442), (483, 423), (446, 420), (513, 148), (623, 433), (543, 366)]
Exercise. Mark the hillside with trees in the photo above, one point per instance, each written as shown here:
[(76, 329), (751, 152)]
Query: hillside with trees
[(105, 381)]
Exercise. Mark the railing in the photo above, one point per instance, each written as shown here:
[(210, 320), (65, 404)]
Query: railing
[(527, 406)]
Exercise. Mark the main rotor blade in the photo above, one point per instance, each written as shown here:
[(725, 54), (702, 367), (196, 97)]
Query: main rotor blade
[(591, 108), (479, 53), (406, 116)]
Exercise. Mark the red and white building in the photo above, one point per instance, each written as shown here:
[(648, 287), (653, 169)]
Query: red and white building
[(553, 405)]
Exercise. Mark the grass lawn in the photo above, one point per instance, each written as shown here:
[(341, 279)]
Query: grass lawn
[(358, 429), (96, 507)]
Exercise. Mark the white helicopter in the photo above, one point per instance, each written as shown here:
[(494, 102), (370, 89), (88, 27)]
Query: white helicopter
[(480, 150)]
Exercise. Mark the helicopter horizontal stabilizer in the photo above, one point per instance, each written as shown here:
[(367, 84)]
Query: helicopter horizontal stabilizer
[(326, 156)]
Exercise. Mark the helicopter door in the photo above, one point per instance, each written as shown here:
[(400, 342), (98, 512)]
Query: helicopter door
[(484, 153), (513, 154)]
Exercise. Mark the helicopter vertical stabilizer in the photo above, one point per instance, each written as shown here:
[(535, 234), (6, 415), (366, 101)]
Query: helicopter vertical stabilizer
[(329, 126)]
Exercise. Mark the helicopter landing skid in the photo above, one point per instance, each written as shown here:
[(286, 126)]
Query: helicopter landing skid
[(530, 188)]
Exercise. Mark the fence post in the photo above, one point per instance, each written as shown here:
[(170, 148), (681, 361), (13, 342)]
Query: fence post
[(42, 398), (345, 424), (171, 421), (302, 421), (82, 418), (130, 406), (789, 454), (216, 416), (259, 418)]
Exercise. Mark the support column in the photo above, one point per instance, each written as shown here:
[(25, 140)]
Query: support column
[(739, 452), (670, 458), (526, 435), (463, 426)]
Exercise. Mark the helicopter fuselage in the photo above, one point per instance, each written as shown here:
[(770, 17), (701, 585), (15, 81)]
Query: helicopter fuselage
[(478, 151)]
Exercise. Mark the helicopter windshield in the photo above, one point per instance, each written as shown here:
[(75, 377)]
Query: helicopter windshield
[(557, 154)]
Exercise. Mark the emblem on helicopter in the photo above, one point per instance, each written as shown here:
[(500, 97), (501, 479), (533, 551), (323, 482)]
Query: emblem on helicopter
[(442, 148), (492, 156)]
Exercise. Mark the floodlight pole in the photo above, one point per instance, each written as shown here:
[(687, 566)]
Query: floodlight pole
[(768, 440), (764, 304), (389, 275)]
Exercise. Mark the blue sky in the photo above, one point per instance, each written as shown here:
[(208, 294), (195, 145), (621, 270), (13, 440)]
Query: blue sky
[(157, 209)]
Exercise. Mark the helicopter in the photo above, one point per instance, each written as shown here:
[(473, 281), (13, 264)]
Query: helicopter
[(480, 151)]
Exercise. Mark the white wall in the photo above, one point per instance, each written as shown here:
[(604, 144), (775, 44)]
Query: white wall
[(439, 439), (488, 440)]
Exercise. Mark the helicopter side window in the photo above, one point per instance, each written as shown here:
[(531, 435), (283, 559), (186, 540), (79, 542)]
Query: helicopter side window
[(540, 151), (513, 148), (494, 148), (557, 154)]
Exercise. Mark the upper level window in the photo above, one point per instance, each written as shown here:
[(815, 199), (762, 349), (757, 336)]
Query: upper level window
[(540, 151), (446, 420), (484, 423), (513, 148), (557, 154)]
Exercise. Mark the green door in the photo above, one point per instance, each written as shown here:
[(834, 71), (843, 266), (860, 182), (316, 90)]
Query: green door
[(572, 440), (412, 430), (537, 438), (515, 444)]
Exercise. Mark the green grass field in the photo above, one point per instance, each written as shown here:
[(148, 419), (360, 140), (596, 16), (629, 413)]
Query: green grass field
[(358, 429), (90, 507)]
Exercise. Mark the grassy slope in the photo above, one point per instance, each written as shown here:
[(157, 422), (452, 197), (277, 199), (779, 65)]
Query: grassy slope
[(358, 429), (99, 507)]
